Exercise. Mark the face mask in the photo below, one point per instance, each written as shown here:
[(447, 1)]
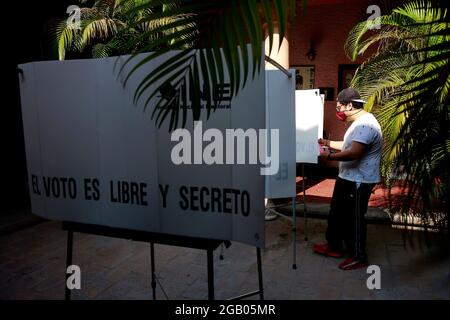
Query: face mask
[(341, 116)]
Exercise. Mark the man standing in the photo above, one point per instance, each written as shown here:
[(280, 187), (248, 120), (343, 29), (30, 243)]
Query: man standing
[(359, 158)]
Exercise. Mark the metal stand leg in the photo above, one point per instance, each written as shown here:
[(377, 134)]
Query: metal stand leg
[(68, 292), (152, 263), (304, 202), (221, 251), (260, 290), (294, 234), (260, 278), (210, 266)]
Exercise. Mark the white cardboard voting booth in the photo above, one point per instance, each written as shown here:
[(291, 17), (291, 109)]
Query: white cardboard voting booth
[(308, 124), (94, 158), (280, 115)]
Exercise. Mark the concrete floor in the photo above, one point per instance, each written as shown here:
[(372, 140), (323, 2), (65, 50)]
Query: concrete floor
[(32, 263)]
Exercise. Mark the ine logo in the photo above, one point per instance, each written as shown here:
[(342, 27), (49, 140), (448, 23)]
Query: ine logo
[(221, 92), (74, 278), (374, 280)]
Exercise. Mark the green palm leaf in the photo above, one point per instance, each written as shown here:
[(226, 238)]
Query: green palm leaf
[(223, 33), (407, 81), (213, 34)]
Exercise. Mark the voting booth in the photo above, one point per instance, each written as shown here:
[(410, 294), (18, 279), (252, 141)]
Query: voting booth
[(98, 163), (309, 114), (95, 158)]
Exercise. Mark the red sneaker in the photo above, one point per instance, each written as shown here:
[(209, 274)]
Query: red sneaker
[(324, 249), (351, 264)]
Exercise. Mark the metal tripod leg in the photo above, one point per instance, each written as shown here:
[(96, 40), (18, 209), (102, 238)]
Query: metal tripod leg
[(294, 234), (68, 292), (152, 263), (304, 202)]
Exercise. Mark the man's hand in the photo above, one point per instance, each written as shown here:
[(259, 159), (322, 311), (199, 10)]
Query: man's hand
[(356, 151), (324, 142), (324, 152)]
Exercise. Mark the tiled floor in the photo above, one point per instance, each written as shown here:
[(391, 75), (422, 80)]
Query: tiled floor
[(32, 263)]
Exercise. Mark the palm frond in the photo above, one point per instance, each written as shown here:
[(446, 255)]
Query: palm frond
[(225, 33), (407, 78)]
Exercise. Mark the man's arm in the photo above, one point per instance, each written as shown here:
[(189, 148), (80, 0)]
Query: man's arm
[(355, 152), (337, 145)]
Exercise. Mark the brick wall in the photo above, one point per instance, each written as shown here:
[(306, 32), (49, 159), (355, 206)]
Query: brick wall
[(328, 26)]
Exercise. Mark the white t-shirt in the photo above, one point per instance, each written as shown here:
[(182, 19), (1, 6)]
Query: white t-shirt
[(366, 130)]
